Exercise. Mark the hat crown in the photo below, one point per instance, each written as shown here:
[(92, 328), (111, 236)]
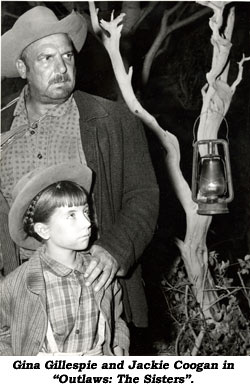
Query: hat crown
[(48, 172), (36, 15)]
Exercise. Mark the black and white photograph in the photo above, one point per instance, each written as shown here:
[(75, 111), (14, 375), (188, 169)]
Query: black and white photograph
[(125, 190)]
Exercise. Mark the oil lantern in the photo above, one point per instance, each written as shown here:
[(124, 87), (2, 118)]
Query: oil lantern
[(212, 186)]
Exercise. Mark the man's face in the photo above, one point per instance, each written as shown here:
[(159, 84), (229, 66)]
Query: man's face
[(49, 67)]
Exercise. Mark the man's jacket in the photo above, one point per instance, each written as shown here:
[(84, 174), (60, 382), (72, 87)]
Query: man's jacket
[(24, 319), (125, 189)]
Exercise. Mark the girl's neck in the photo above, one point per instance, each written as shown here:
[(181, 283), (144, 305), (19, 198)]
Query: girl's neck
[(63, 256)]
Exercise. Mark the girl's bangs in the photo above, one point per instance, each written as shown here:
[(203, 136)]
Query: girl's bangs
[(69, 194)]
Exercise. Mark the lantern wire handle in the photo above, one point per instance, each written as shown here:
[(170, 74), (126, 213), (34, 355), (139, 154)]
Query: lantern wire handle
[(198, 117)]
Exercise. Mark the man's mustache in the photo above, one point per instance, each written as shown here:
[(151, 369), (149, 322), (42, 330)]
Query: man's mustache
[(59, 78)]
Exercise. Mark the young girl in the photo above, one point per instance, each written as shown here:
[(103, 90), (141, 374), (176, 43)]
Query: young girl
[(46, 308)]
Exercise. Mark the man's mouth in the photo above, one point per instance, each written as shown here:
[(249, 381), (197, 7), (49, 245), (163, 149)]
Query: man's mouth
[(59, 79)]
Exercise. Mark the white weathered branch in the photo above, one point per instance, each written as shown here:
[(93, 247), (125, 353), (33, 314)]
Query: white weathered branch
[(94, 18), (167, 139), (216, 94), (221, 44), (240, 72), (111, 41)]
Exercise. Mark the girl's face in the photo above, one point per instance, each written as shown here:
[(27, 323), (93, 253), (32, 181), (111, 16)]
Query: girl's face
[(68, 228)]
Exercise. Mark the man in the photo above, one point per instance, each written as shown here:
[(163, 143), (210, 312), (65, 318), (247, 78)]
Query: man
[(50, 123)]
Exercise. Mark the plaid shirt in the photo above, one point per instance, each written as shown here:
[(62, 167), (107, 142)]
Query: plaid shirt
[(71, 306), (23, 311)]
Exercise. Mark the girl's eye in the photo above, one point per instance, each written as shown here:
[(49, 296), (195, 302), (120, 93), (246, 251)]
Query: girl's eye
[(86, 215), (86, 212), (72, 215)]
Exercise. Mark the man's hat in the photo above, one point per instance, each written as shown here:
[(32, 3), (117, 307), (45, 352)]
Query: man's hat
[(35, 24), (30, 185)]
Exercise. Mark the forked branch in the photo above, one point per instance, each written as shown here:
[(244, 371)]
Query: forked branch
[(111, 33)]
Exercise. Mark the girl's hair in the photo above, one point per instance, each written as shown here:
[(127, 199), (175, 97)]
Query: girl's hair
[(41, 208)]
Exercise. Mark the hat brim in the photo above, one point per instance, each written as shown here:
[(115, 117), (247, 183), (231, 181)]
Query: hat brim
[(13, 42), (30, 185)]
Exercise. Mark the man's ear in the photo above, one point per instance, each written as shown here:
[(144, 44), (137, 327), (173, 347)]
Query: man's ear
[(42, 230), (21, 68)]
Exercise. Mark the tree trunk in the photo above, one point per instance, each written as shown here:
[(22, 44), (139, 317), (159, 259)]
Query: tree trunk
[(217, 95)]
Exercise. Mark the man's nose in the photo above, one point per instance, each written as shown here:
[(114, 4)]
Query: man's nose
[(60, 65)]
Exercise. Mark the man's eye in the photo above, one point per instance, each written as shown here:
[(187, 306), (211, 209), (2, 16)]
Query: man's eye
[(46, 58), (68, 56)]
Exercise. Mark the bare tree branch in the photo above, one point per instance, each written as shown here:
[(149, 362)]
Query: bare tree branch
[(165, 44), (239, 77), (10, 14), (146, 11), (94, 18), (164, 31), (154, 48), (217, 94), (133, 12)]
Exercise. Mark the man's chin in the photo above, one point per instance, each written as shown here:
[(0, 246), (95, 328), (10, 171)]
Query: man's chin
[(60, 94)]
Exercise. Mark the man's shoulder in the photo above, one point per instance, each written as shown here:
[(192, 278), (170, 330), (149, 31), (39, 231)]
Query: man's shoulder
[(9, 101), (7, 111), (94, 102), (94, 99)]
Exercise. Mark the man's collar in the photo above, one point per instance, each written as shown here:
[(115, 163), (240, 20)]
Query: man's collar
[(58, 110), (20, 106), (94, 109)]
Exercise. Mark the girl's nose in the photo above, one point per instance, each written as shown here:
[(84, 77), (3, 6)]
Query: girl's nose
[(86, 221)]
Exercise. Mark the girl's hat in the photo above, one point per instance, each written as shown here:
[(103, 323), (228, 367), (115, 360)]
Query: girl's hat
[(30, 185), (37, 23)]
